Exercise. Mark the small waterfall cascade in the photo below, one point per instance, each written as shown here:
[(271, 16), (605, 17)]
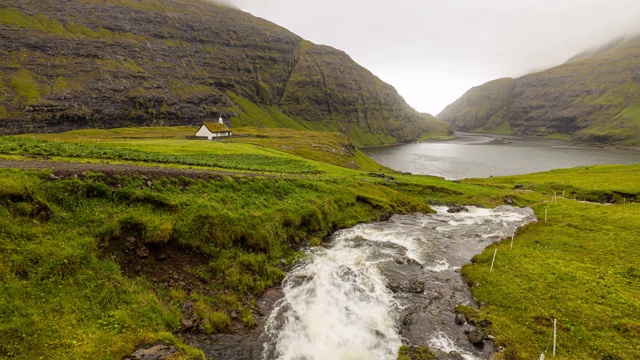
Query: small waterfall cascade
[(338, 302)]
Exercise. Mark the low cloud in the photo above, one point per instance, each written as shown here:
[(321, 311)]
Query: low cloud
[(433, 51)]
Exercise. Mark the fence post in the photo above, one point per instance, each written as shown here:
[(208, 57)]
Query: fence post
[(512, 236), (545, 215), (494, 259), (554, 337)]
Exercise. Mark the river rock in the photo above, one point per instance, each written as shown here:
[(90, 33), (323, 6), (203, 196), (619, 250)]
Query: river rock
[(413, 286), (156, 352), (394, 286), (508, 200), (456, 209), (411, 261), (476, 336), (454, 356), (484, 323), (460, 319), (400, 260)]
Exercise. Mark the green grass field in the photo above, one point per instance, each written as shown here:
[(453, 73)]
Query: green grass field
[(582, 267), (74, 285)]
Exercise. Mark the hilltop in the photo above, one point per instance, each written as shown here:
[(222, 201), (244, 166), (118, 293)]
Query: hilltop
[(114, 63), (592, 97)]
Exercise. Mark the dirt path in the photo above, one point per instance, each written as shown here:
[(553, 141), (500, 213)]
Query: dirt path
[(65, 169)]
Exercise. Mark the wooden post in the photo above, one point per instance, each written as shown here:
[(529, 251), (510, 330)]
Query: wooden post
[(554, 337), (545, 215), (494, 259), (512, 236)]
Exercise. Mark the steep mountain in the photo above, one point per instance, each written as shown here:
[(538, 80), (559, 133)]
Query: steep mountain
[(110, 63), (595, 96)]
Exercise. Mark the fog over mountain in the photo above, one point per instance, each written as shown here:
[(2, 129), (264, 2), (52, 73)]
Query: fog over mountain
[(434, 51)]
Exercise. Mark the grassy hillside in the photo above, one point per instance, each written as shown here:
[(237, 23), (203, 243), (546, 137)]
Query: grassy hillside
[(593, 97), (98, 253), (581, 266), (116, 63)]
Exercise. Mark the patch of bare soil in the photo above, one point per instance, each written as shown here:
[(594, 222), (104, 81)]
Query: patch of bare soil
[(167, 266), (67, 169)]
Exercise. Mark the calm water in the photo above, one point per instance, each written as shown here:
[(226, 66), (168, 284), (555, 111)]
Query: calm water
[(471, 156)]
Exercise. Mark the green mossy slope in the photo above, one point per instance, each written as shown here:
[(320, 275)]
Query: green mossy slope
[(105, 64), (592, 97)]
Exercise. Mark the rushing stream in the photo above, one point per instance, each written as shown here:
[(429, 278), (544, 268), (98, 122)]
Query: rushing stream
[(382, 282)]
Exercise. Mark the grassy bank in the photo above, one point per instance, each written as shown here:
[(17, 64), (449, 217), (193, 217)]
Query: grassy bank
[(94, 264), (92, 267), (581, 267)]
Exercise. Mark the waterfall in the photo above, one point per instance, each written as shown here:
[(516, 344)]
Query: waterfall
[(338, 303)]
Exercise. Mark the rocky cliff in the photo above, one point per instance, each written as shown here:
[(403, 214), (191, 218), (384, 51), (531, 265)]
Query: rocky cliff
[(595, 96), (111, 63)]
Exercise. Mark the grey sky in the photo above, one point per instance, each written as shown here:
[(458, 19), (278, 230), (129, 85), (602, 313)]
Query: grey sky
[(432, 51)]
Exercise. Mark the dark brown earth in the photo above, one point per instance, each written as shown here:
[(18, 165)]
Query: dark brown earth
[(77, 169)]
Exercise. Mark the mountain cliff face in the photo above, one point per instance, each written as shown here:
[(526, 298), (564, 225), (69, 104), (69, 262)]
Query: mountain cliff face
[(595, 96), (110, 63)]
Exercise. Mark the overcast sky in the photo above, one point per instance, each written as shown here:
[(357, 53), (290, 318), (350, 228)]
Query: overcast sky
[(432, 51)]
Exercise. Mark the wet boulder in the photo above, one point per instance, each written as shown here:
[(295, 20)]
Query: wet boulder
[(415, 286), (456, 209), (155, 352), (412, 286), (485, 323), (475, 336)]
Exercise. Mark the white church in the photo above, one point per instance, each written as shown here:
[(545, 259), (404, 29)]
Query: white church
[(214, 130)]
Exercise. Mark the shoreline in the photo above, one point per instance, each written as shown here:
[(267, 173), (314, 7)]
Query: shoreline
[(510, 139)]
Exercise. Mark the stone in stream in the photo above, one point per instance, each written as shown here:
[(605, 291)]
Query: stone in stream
[(460, 319), (412, 286), (456, 209), (454, 356), (155, 352), (484, 323), (476, 337)]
